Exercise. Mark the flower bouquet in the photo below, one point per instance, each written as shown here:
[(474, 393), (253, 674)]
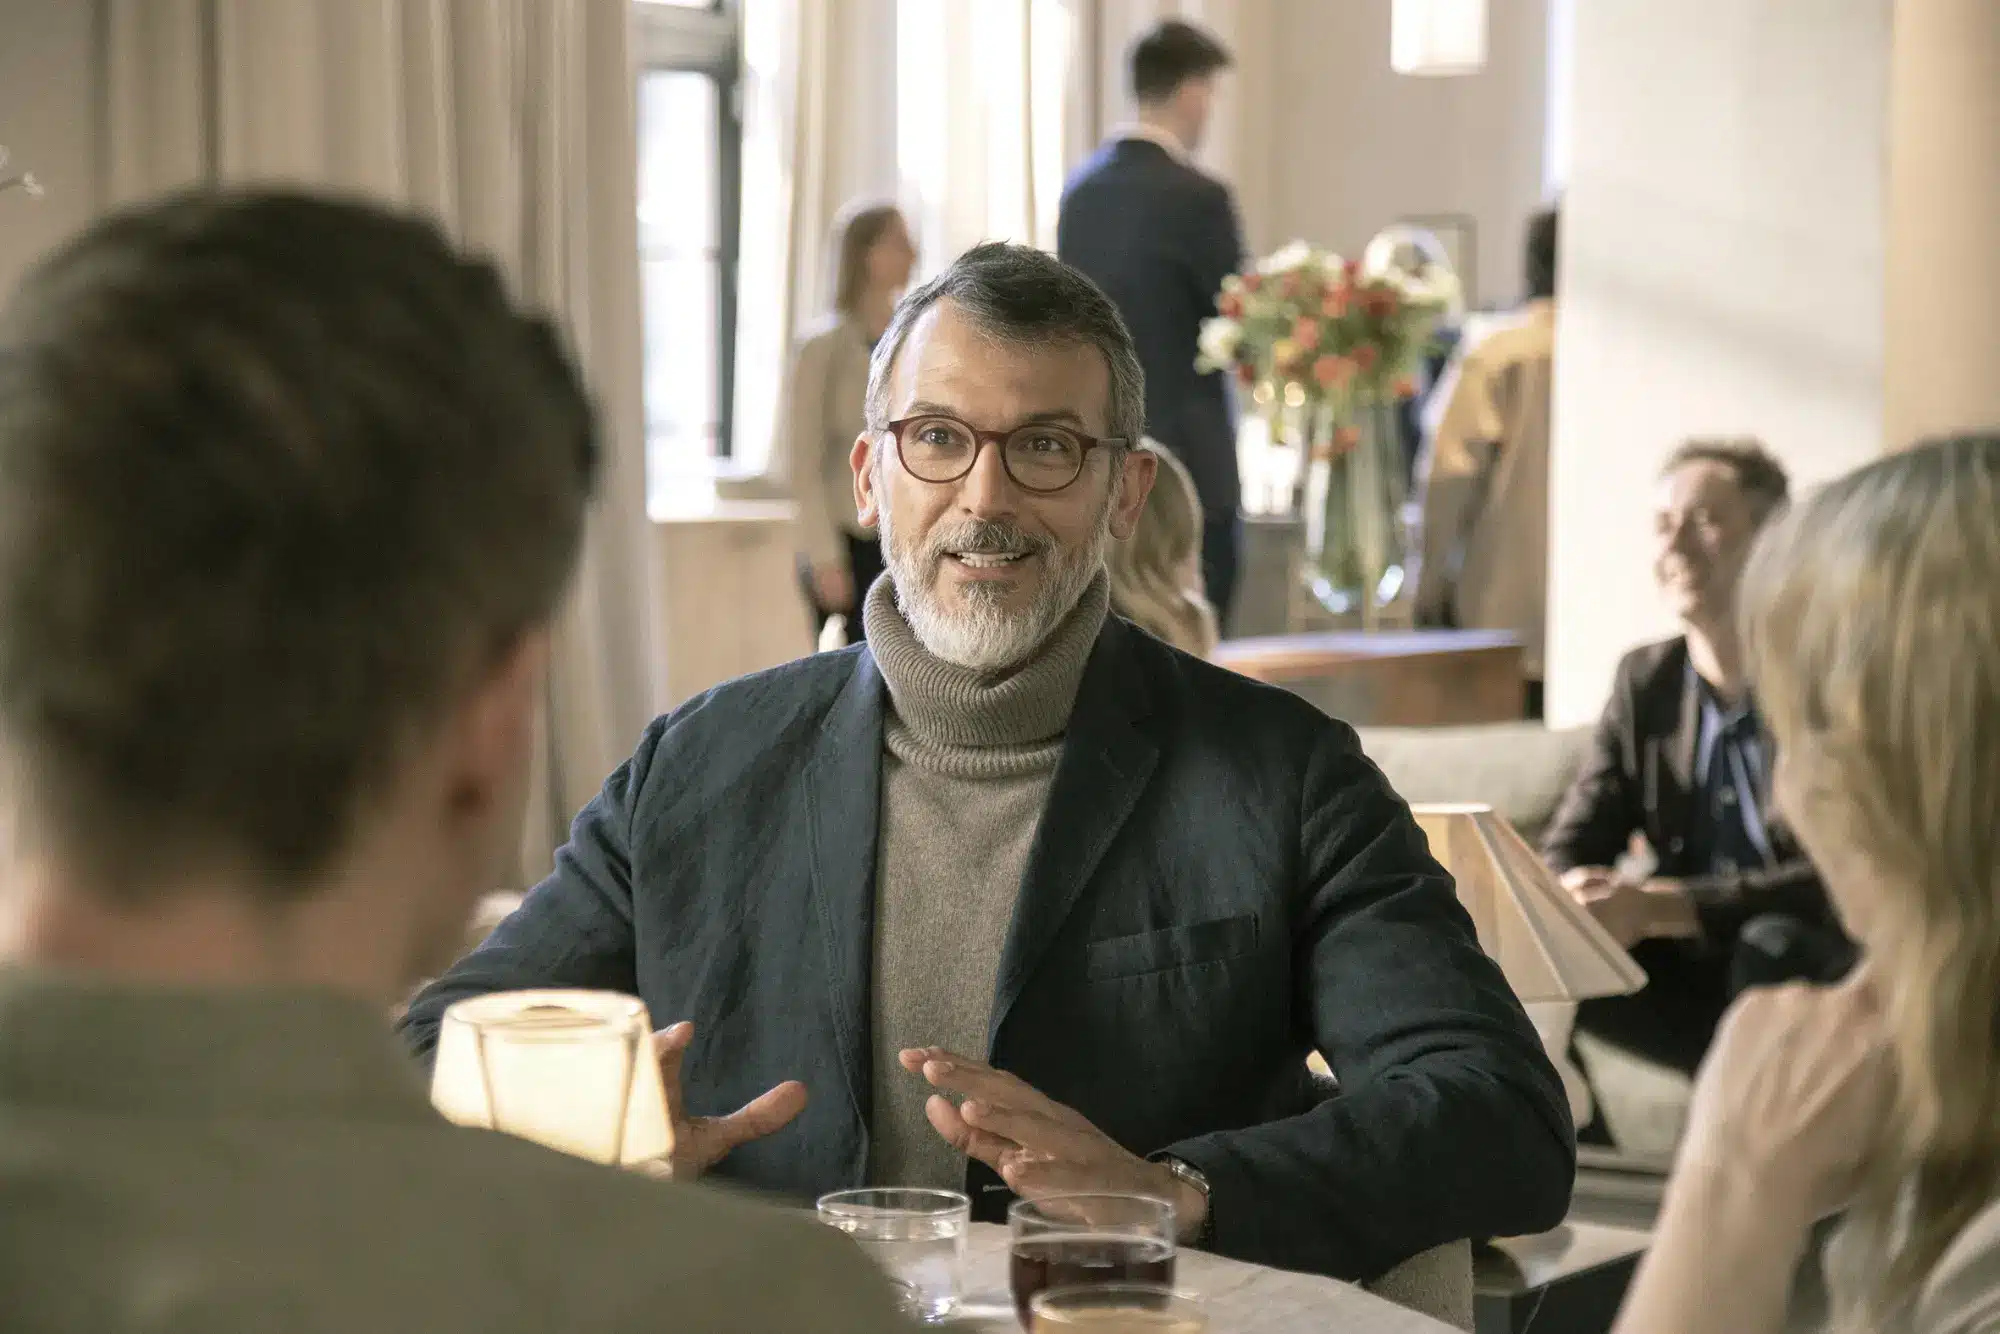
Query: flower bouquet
[(1327, 347)]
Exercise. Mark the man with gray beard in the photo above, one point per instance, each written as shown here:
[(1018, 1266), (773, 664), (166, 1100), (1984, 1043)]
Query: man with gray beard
[(1028, 902)]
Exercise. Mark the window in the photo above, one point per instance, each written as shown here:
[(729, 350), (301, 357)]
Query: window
[(689, 202)]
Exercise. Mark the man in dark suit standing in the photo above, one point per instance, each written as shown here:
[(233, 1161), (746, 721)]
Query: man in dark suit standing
[(1028, 902), (1159, 236)]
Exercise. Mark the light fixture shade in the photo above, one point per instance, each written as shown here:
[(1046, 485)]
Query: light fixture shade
[(572, 1070), (1437, 37), (1549, 948)]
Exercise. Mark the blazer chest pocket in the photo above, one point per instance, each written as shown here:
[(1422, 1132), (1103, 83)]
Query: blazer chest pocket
[(1172, 948)]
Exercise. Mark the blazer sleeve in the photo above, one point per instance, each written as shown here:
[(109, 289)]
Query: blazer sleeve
[(1218, 248), (806, 434), (1724, 902), (573, 930), (1603, 807), (1449, 1123)]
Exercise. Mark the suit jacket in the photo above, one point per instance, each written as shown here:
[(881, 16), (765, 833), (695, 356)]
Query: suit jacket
[(173, 1158), (1640, 778), (1484, 483), (1159, 237), (1220, 883)]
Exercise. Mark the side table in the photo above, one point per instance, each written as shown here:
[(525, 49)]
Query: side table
[(1569, 1281)]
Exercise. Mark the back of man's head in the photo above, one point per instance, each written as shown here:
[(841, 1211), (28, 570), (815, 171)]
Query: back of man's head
[(1541, 251), (1168, 55), (281, 480)]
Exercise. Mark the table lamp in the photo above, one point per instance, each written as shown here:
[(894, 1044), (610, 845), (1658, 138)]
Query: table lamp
[(1549, 947), (573, 1070)]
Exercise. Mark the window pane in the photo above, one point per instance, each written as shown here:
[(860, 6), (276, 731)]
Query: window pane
[(680, 263)]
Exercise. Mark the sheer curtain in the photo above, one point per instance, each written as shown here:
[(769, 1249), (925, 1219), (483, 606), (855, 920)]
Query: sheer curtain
[(512, 122), (992, 111)]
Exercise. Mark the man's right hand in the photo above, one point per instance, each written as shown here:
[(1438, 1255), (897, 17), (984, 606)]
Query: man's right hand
[(700, 1142), (834, 585)]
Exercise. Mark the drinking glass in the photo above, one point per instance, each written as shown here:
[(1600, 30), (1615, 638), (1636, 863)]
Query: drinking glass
[(916, 1236), (1067, 1241), (1117, 1308), (572, 1070)]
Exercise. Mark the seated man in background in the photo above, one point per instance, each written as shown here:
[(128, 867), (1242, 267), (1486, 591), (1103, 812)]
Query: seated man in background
[(1483, 478), (289, 492), (1017, 884), (1682, 758)]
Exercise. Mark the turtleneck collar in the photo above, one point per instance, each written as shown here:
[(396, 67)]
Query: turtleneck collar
[(946, 705)]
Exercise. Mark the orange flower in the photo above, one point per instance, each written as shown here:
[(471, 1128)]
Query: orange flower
[(1331, 371), (1252, 281), (1405, 386), (1305, 331), (1346, 438), (1247, 374), (1334, 304), (1380, 302), (1365, 356), (1230, 306)]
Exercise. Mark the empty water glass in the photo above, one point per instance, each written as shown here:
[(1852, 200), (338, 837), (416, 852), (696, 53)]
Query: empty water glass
[(916, 1236)]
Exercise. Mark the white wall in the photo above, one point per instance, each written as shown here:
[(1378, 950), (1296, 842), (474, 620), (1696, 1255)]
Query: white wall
[(48, 116), (1353, 145), (1721, 272)]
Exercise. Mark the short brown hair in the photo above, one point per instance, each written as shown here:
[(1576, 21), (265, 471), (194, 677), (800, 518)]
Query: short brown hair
[(1168, 55), (1759, 475), (278, 474)]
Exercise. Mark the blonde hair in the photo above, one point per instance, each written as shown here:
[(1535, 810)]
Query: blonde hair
[(1872, 625), (1146, 570), (855, 232)]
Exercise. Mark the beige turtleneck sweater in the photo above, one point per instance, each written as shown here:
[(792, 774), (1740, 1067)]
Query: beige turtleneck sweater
[(967, 760)]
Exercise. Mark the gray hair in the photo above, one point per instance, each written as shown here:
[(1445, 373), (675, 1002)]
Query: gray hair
[(1021, 295)]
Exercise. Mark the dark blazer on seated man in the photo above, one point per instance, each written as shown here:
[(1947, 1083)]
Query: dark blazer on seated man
[(1656, 759), (1220, 884)]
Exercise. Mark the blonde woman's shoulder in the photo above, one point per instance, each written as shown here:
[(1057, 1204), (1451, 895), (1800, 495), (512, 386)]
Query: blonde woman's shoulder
[(1963, 1294)]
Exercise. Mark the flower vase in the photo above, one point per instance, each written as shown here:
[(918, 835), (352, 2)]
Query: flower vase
[(1353, 511)]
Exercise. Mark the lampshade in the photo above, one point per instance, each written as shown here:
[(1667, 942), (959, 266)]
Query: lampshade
[(1437, 37), (573, 1070), (1549, 948)]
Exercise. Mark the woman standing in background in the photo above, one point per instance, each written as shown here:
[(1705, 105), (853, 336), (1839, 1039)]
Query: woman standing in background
[(872, 259)]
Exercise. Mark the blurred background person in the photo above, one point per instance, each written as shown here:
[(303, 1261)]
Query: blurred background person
[(1156, 580), (1872, 628), (872, 256), (1159, 235), (1682, 758), (1483, 481)]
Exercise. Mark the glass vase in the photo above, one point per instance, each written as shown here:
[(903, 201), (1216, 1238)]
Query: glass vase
[(1353, 506)]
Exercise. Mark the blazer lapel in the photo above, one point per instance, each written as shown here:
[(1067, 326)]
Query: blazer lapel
[(1106, 761), (843, 816)]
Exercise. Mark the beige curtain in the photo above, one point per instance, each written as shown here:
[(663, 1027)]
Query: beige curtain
[(993, 110), (512, 122)]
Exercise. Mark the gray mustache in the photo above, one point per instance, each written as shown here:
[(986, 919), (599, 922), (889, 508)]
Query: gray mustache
[(986, 539)]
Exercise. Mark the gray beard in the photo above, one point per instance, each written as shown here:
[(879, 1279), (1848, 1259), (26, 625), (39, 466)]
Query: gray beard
[(985, 636)]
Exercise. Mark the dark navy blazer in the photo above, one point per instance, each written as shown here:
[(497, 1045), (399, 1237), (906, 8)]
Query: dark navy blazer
[(1221, 883), (1159, 237)]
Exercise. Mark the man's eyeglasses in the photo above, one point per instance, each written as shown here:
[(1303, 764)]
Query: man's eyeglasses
[(1040, 458)]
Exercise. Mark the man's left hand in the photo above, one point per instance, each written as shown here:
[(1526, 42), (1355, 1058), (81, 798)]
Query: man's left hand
[(1038, 1146), (1635, 912)]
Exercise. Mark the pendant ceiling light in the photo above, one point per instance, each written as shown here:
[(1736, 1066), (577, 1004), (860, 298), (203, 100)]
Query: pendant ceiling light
[(1438, 37)]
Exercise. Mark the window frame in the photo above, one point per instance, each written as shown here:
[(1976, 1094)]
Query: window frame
[(669, 38)]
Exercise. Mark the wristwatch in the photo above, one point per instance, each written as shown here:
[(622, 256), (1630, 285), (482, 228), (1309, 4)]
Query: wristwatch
[(1184, 1170)]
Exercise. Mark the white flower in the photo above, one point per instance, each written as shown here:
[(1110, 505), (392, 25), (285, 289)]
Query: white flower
[(1220, 337), (1287, 258)]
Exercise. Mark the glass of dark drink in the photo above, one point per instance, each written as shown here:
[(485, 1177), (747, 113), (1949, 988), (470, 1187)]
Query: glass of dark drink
[(1071, 1241)]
